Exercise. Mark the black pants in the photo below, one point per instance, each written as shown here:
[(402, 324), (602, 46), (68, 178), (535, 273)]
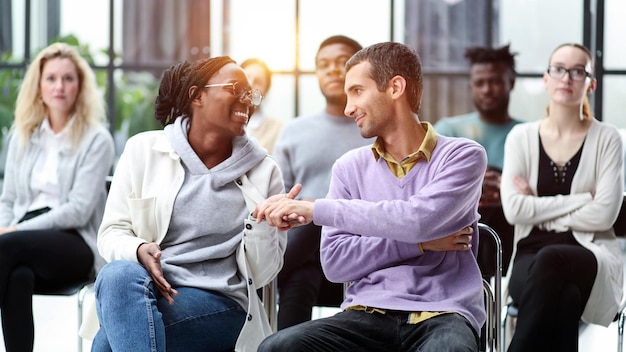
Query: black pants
[(494, 217), (551, 289), (358, 331), (31, 260), (301, 279)]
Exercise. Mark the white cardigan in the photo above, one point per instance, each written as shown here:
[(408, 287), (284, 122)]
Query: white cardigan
[(259, 256), (589, 211)]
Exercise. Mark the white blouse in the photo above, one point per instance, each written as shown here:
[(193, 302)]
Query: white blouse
[(44, 182)]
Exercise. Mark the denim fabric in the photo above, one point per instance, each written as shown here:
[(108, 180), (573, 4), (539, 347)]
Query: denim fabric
[(360, 331), (134, 316)]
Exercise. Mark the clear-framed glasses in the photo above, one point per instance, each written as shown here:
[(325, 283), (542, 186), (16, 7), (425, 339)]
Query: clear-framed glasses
[(575, 74), (242, 93)]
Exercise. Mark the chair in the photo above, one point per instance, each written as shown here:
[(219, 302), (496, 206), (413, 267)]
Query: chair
[(270, 303), (620, 231), (270, 299), (620, 317), (79, 288), (492, 333)]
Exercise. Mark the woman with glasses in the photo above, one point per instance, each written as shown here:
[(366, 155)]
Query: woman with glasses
[(185, 258), (562, 186)]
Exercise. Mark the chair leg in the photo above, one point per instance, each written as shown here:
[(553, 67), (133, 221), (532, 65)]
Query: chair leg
[(503, 329), (620, 331), (81, 299), (270, 302)]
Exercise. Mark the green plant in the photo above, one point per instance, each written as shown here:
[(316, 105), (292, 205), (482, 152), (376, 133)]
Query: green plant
[(134, 94)]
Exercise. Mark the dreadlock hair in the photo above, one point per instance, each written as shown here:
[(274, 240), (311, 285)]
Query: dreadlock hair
[(481, 55), (173, 99)]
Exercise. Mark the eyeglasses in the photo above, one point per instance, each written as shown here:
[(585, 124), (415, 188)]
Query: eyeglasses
[(254, 95), (575, 74)]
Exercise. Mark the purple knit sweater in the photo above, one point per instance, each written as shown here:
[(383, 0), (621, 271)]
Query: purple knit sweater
[(372, 222)]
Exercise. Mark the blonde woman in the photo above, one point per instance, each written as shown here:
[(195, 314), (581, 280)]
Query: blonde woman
[(53, 192), (562, 186)]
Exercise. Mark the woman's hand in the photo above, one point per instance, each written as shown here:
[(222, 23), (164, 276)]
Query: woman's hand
[(522, 186), (266, 207), (4, 230), (149, 255)]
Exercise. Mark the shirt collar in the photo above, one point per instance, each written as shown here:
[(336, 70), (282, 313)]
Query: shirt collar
[(45, 127), (425, 149)]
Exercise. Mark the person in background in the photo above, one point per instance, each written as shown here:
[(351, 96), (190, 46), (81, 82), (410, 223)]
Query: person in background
[(53, 193), (306, 150), (562, 187), (414, 284), (264, 128), (184, 257), (492, 78)]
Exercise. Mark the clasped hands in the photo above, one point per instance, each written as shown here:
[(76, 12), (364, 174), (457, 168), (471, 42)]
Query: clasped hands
[(283, 211)]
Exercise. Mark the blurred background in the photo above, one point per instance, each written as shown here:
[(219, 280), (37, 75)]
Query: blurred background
[(130, 43)]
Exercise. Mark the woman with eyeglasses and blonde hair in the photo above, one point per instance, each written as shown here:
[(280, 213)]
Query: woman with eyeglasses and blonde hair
[(562, 186), (53, 192), (185, 258)]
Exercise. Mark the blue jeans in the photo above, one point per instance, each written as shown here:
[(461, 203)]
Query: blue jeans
[(360, 331), (135, 317)]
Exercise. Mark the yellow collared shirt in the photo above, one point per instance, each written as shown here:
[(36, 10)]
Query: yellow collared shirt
[(402, 167)]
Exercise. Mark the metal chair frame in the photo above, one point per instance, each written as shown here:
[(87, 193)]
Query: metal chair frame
[(493, 296), (80, 290)]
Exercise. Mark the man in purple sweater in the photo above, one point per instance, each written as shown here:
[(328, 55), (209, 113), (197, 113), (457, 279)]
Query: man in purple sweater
[(397, 223)]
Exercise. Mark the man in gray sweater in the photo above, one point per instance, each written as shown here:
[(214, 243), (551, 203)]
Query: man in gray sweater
[(306, 150)]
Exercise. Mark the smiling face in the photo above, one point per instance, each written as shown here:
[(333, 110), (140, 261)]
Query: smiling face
[(565, 90), (331, 71), (59, 86), (369, 107), (219, 107)]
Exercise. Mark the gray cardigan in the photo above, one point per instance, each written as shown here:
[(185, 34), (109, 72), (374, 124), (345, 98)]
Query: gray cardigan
[(81, 173)]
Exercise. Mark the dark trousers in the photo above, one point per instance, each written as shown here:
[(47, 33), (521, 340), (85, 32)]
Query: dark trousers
[(33, 260), (551, 289), (494, 217), (360, 331), (301, 279)]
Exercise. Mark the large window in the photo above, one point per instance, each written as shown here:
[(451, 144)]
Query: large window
[(130, 42)]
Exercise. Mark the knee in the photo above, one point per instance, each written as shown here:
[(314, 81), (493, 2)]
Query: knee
[(548, 263), (120, 275), (21, 274), (21, 281), (276, 342)]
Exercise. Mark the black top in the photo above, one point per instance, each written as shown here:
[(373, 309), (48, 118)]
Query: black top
[(550, 182)]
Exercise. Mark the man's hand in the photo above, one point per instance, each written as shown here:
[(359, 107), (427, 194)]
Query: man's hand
[(490, 196), (149, 255), (458, 241), (284, 221)]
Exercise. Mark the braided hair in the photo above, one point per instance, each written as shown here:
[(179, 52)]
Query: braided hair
[(173, 99)]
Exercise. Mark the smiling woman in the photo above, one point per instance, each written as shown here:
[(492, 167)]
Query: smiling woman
[(184, 230)]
